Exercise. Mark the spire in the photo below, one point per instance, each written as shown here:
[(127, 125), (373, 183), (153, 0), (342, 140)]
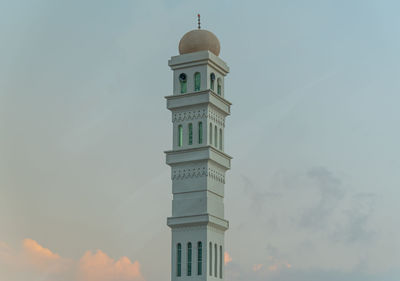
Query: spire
[(198, 20)]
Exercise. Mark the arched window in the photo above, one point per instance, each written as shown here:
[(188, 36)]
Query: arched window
[(179, 260), (216, 136), (210, 259), (220, 139), (183, 82), (219, 86), (216, 260), (199, 258), (190, 127), (189, 259), (200, 132), (197, 81), (180, 135), (211, 134), (220, 262), (212, 81)]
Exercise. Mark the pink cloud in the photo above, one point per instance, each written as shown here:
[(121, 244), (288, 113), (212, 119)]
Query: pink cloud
[(273, 265), (42, 259), (227, 258), (42, 263), (100, 267)]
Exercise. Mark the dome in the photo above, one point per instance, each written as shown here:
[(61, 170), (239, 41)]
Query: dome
[(199, 40)]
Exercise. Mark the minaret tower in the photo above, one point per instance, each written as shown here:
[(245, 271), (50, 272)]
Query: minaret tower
[(197, 159)]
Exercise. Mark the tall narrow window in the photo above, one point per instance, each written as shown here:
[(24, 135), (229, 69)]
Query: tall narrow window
[(210, 259), (211, 134), (200, 132), (212, 81), (197, 81), (180, 135), (219, 86), (178, 260), (183, 82), (199, 258), (220, 262), (190, 133), (215, 260), (216, 136), (220, 139), (189, 259)]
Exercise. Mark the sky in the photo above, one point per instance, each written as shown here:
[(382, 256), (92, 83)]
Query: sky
[(314, 185)]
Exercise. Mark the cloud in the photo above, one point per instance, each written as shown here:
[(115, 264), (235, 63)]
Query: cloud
[(258, 198), (100, 267), (39, 263), (330, 195), (42, 259), (227, 258)]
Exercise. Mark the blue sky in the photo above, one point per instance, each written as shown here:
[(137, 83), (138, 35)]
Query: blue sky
[(313, 191)]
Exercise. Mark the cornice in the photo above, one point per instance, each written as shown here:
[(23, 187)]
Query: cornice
[(190, 94), (202, 148), (197, 220)]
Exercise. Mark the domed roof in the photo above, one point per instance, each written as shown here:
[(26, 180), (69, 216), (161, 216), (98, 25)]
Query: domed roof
[(199, 40)]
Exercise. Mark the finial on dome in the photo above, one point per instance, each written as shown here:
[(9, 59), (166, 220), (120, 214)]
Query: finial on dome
[(198, 20)]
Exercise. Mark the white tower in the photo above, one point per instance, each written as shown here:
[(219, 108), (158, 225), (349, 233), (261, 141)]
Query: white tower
[(197, 159)]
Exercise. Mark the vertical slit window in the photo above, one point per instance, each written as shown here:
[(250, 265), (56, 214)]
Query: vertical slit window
[(220, 262), (219, 86), (199, 258), (189, 259), (212, 81), (190, 127), (183, 82), (200, 132), (215, 260), (216, 136), (197, 81), (210, 259), (180, 135), (220, 139), (178, 260), (211, 134)]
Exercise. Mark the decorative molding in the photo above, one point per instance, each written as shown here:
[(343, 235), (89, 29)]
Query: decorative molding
[(215, 175), (216, 117), (188, 173), (189, 115)]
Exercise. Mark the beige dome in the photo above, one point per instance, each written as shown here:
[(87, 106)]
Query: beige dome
[(199, 40)]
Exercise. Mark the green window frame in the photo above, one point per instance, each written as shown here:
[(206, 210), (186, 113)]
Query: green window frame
[(179, 259), (211, 139), (210, 259), (190, 127), (183, 83), (197, 81), (220, 262), (189, 259), (180, 135), (219, 86), (215, 136), (215, 260), (200, 132), (199, 258), (220, 139), (183, 87), (212, 81)]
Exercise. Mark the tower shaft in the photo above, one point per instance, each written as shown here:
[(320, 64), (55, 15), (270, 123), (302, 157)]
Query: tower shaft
[(198, 166)]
